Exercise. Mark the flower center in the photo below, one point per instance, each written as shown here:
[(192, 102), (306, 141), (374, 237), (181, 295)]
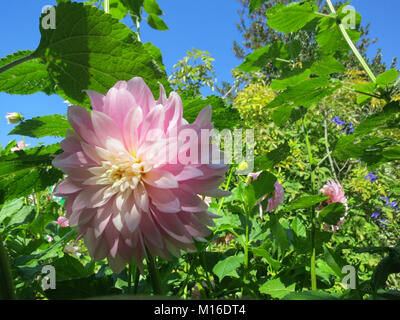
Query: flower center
[(123, 174)]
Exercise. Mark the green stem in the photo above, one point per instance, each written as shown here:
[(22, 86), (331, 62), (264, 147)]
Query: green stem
[(15, 63), (136, 284), (154, 276), (351, 45), (204, 265), (6, 282), (246, 249), (107, 6), (310, 159), (226, 189)]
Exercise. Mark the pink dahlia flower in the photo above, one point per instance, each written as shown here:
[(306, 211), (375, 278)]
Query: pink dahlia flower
[(334, 191), (20, 145), (273, 202), (130, 184), (277, 199), (63, 222)]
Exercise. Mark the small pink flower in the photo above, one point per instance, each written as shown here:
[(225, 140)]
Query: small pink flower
[(20, 145), (14, 117), (129, 186), (49, 238), (73, 250), (207, 200), (334, 190), (277, 199), (63, 222), (273, 202)]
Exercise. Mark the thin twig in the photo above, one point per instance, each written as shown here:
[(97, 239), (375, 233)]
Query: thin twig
[(327, 146)]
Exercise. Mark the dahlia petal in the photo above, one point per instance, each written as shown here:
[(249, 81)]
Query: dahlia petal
[(105, 127), (143, 95), (172, 226), (189, 172), (174, 111), (131, 125), (141, 197), (90, 197), (204, 117), (71, 144), (117, 263), (151, 128), (66, 186), (91, 152), (96, 100), (74, 160), (163, 97), (118, 102), (81, 122), (133, 218), (160, 179), (164, 199), (98, 248), (150, 231)]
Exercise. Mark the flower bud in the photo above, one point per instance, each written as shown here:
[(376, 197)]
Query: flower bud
[(14, 117)]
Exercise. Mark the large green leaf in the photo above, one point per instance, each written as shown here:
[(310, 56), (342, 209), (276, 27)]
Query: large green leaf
[(91, 50), (334, 261), (329, 36), (275, 264), (279, 234), (327, 65), (306, 93), (306, 202), (223, 116), (54, 125), (260, 57), (292, 17), (276, 289), (332, 213), (117, 9), (268, 160), (378, 120), (83, 288), (311, 295), (282, 84), (22, 172), (263, 185), (26, 78), (392, 153), (156, 22), (387, 77), (387, 266), (151, 6), (369, 149), (228, 266)]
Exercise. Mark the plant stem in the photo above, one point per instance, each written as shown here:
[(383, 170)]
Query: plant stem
[(136, 284), (107, 6), (351, 45), (6, 282), (327, 145), (15, 63), (226, 189), (313, 253), (154, 276), (246, 252)]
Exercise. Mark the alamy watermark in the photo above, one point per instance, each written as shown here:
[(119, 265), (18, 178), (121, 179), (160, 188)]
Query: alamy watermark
[(349, 280), (49, 18), (49, 280)]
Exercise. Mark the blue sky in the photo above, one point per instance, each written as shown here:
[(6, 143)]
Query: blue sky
[(206, 25)]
